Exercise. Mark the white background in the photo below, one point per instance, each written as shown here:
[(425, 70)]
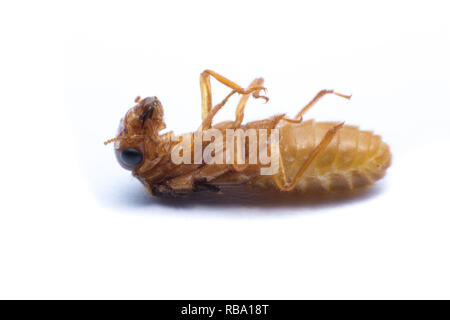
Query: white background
[(73, 224)]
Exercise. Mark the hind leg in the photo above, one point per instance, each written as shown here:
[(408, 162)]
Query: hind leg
[(287, 186), (317, 98)]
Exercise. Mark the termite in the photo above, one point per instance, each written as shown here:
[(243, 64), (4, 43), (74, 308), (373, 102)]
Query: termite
[(313, 156)]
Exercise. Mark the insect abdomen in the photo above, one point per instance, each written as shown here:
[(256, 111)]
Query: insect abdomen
[(353, 159)]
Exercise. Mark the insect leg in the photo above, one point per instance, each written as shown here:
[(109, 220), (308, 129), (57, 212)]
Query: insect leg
[(197, 180), (205, 87), (207, 121), (317, 98), (240, 108), (284, 185)]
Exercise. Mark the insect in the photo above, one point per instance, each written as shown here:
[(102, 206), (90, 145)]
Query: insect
[(312, 156)]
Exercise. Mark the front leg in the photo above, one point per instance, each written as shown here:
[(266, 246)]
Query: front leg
[(197, 180), (163, 189), (205, 86), (167, 188)]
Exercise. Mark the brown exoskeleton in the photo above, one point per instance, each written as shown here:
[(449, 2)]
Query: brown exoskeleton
[(312, 155)]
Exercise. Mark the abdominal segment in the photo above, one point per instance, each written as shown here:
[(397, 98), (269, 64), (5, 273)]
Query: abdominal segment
[(353, 159)]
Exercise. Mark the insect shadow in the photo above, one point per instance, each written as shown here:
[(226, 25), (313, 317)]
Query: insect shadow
[(243, 198)]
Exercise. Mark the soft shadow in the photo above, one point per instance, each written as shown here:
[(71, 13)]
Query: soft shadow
[(245, 198), (126, 194)]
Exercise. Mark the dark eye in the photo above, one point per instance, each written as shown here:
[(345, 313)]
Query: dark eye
[(131, 157)]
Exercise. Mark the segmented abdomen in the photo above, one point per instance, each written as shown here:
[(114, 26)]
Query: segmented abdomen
[(354, 158)]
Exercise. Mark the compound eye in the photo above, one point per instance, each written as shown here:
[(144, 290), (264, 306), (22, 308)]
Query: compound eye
[(131, 157)]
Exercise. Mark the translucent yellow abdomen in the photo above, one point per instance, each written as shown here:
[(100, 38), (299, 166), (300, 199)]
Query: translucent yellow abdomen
[(354, 158)]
